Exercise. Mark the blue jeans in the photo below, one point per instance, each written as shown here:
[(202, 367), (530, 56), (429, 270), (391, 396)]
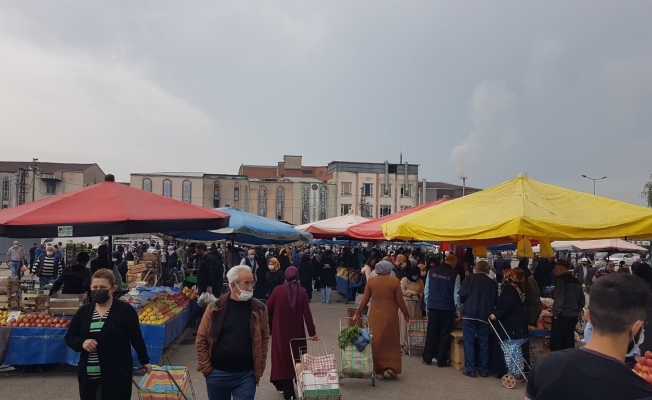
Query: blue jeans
[(470, 329), (14, 266), (222, 385), (44, 280), (326, 294)]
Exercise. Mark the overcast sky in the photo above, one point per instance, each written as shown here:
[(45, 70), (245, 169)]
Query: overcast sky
[(482, 88)]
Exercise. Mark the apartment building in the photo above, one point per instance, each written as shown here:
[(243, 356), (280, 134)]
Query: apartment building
[(25, 181), (438, 190), (374, 189)]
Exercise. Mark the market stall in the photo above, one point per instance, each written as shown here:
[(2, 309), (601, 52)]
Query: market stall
[(46, 345), (247, 229)]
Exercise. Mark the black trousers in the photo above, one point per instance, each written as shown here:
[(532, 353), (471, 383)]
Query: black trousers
[(440, 325), (562, 334), (91, 390)]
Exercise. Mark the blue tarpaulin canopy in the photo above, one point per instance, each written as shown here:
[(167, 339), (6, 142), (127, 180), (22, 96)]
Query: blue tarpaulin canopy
[(249, 229)]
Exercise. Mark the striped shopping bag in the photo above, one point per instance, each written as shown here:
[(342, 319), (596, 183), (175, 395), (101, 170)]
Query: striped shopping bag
[(357, 364)]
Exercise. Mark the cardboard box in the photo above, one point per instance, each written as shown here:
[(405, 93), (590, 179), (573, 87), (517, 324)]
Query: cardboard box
[(457, 350)]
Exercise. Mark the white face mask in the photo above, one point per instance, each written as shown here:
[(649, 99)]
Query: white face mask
[(49, 253), (244, 295), (114, 259), (251, 257), (638, 343), (271, 267)]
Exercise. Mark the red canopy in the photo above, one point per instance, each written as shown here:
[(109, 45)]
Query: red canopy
[(371, 230), (108, 208)]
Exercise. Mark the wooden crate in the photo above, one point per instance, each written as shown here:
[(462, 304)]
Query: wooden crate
[(457, 349), (9, 285), (150, 257), (8, 297), (33, 300), (9, 305), (66, 304)]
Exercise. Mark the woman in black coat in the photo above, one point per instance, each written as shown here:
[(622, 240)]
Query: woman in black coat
[(305, 273), (510, 311), (104, 332), (275, 275)]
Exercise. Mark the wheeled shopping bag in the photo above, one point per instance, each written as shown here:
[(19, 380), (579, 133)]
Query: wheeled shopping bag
[(354, 363)]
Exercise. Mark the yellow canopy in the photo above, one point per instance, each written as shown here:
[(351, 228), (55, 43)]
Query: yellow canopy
[(523, 208)]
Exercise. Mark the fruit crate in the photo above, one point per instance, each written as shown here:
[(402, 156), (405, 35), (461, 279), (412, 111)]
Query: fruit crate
[(66, 304), (28, 285), (9, 285)]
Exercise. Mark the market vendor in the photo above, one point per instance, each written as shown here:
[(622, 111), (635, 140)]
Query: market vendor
[(76, 278)]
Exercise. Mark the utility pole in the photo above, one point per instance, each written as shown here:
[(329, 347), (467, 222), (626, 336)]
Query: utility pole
[(34, 169), (22, 185)]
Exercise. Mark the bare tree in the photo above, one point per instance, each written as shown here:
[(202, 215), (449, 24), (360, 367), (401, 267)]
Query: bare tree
[(647, 192)]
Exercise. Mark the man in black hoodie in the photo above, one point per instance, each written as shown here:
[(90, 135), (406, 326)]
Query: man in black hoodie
[(76, 279), (478, 295)]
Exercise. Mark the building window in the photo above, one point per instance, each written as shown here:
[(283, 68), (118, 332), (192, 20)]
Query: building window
[(186, 191), (346, 188), (346, 209), (368, 189), (323, 197), (386, 190), (368, 210), (385, 210), (406, 191), (280, 201), (147, 185), (236, 191), (405, 207), (216, 194), (50, 187), (305, 204), (262, 201), (167, 188), (6, 188)]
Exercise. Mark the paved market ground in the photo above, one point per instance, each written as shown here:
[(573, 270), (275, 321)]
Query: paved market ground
[(417, 381)]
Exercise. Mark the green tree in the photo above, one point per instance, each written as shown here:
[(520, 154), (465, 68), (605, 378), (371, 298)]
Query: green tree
[(647, 192)]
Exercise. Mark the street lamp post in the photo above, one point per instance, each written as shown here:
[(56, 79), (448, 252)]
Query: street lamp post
[(594, 179)]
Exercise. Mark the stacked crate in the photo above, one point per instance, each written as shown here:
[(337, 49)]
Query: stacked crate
[(9, 288)]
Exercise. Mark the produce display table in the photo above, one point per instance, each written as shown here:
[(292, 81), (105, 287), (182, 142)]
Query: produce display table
[(32, 346), (342, 287)]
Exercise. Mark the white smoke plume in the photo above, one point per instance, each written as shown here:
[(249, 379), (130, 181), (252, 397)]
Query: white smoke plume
[(490, 103)]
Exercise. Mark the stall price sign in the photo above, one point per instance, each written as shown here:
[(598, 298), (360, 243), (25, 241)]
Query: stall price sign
[(64, 231)]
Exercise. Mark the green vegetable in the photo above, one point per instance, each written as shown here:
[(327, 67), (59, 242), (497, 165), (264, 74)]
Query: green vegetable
[(347, 336)]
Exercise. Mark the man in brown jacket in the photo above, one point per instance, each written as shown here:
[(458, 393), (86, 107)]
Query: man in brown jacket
[(232, 340)]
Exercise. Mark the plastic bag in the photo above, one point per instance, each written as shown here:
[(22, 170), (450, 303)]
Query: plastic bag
[(363, 340), (205, 299)]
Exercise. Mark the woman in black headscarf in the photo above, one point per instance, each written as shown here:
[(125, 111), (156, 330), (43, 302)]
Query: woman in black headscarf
[(288, 309)]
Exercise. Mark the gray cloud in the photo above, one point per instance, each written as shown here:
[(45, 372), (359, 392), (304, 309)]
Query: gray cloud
[(206, 86)]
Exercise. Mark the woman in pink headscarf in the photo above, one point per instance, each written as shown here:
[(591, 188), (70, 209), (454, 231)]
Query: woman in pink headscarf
[(288, 308)]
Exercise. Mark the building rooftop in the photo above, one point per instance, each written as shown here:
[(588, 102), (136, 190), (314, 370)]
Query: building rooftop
[(445, 185), (179, 174), (44, 167)]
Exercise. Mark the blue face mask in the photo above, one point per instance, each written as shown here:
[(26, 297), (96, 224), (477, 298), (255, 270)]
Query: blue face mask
[(414, 277)]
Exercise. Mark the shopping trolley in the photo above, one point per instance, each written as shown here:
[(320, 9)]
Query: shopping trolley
[(354, 363), (514, 359)]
